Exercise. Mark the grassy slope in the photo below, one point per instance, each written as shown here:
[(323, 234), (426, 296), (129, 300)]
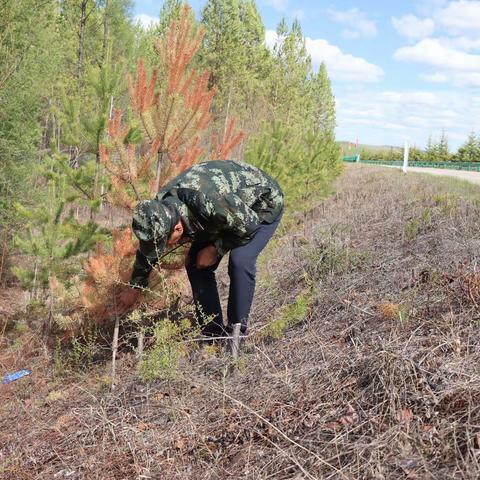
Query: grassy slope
[(370, 369)]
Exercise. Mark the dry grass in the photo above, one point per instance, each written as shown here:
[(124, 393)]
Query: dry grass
[(380, 381)]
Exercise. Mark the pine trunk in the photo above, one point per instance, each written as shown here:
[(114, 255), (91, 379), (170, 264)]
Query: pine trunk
[(159, 172), (81, 37), (105, 32), (229, 101)]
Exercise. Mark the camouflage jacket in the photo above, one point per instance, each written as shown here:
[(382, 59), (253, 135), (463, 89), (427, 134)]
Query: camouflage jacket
[(221, 203)]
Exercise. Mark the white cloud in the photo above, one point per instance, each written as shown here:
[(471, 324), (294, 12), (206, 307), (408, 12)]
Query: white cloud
[(341, 66), (457, 79), (146, 21), (455, 53), (271, 38), (460, 16), (416, 121), (279, 5), (360, 112), (466, 79), (436, 77), (465, 43), (407, 114), (413, 27), (434, 53), (426, 7), (394, 126), (410, 97), (357, 22)]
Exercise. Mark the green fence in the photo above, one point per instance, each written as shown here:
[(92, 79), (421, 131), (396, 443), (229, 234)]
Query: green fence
[(354, 159), (468, 166)]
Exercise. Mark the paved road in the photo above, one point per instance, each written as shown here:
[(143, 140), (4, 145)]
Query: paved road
[(473, 177)]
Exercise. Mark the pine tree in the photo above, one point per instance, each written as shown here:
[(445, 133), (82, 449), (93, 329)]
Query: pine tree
[(298, 145), (30, 52), (438, 150), (90, 28), (116, 39), (86, 7), (416, 154), (290, 90), (234, 51), (258, 68), (84, 124), (223, 53), (43, 38), (470, 150), (52, 234), (443, 150), (254, 34), (170, 11), (86, 105), (173, 117), (303, 162), (323, 102), (431, 152)]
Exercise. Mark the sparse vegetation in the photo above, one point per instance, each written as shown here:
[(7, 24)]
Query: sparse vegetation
[(289, 316), (161, 361), (373, 372), (362, 355)]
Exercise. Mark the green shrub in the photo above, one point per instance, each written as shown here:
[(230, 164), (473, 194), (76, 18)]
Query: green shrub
[(412, 229), (326, 259), (449, 203), (79, 354), (290, 315), (416, 225), (162, 360)]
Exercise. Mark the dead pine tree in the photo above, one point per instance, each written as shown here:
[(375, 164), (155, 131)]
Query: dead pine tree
[(173, 116)]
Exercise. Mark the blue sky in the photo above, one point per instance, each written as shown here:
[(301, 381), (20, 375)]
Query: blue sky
[(400, 70)]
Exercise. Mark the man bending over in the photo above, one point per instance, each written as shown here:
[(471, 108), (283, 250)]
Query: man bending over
[(223, 206)]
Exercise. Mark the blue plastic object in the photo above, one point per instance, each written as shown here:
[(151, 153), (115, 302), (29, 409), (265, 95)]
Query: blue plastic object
[(15, 376)]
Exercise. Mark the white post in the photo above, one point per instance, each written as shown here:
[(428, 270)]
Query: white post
[(405, 157), (236, 340), (358, 158), (140, 340)]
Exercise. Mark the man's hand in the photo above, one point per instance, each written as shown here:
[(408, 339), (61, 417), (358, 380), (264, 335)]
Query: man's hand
[(127, 298), (207, 257)]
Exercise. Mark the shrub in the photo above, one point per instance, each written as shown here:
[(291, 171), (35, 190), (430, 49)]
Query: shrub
[(162, 360), (290, 315)]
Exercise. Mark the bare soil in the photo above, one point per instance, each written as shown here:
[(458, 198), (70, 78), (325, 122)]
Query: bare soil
[(380, 380)]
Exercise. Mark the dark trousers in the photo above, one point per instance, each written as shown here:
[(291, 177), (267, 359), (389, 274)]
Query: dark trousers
[(242, 272)]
